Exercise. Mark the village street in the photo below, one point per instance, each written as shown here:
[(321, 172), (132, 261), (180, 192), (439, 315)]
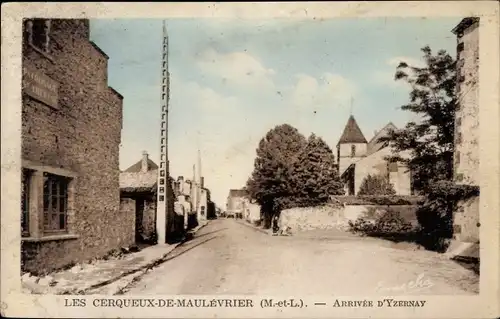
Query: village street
[(229, 257)]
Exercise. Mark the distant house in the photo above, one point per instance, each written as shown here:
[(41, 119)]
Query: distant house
[(138, 182), (358, 158), (239, 205)]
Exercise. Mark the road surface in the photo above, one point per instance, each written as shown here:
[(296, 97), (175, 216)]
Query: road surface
[(229, 257)]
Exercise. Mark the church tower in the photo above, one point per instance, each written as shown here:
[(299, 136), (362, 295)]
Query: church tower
[(351, 146), (162, 205)]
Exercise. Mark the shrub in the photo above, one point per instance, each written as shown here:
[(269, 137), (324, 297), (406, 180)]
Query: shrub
[(435, 216), (376, 185), (388, 223)]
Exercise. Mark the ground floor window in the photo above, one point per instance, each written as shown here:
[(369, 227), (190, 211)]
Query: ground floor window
[(55, 202), (25, 202)]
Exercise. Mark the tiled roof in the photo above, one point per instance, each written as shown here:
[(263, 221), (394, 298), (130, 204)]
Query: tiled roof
[(136, 181), (138, 166), (375, 145), (352, 133), (464, 24)]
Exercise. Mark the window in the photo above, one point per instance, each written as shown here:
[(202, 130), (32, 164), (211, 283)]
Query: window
[(458, 138), (457, 157), (460, 47), (353, 150), (25, 202), (55, 202), (37, 33), (202, 210)]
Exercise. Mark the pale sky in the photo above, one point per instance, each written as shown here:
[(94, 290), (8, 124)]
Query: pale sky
[(233, 80)]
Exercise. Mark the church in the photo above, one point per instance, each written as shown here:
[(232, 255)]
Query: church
[(357, 158)]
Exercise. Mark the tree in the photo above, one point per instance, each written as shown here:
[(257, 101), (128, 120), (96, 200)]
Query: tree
[(314, 176), (269, 180), (376, 185), (430, 141)]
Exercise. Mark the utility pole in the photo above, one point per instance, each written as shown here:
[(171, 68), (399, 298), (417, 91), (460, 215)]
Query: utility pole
[(163, 171)]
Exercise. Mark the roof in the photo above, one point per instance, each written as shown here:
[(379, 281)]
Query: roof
[(238, 193), (375, 145), (464, 24), (352, 133), (138, 181), (138, 166)]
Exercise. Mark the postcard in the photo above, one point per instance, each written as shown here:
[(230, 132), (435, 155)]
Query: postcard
[(250, 160)]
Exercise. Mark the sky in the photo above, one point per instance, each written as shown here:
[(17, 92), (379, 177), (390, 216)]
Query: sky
[(233, 80)]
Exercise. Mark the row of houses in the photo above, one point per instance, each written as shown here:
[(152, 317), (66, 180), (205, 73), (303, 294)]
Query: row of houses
[(76, 205), (357, 157), (190, 199)]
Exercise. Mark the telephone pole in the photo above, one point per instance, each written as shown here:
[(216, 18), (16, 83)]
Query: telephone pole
[(163, 171)]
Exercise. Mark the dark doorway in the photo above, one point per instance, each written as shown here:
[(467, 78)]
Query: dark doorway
[(139, 216)]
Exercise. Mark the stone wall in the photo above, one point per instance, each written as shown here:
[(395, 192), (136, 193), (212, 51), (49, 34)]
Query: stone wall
[(467, 116), (466, 222), (336, 216), (82, 136), (149, 218)]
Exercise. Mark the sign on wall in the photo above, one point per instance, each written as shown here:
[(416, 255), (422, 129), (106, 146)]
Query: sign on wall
[(40, 87)]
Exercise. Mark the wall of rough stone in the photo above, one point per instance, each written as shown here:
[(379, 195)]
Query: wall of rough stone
[(82, 136), (467, 116), (149, 218), (466, 221), (336, 216)]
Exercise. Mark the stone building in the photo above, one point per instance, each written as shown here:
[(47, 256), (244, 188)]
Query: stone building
[(138, 183), (358, 158), (71, 133), (466, 157)]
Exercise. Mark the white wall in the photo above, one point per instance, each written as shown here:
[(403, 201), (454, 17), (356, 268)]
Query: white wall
[(376, 164), (345, 155)]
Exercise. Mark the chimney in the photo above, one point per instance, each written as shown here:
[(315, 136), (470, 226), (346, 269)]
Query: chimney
[(375, 133), (202, 181), (180, 179), (144, 163)]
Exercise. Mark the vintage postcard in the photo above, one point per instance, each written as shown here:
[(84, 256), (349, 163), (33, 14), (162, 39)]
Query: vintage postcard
[(250, 160)]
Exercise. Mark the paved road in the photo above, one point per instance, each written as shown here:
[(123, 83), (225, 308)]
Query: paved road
[(228, 257)]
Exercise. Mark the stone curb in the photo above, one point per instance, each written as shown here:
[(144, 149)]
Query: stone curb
[(129, 273)]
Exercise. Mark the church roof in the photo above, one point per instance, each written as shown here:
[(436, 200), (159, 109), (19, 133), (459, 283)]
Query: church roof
[(375, 145), (352, 133)]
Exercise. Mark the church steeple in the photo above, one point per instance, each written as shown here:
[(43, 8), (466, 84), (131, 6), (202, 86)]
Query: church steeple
[(352, 145), (352, 133)]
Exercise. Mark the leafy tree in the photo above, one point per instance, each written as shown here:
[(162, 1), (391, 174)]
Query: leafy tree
[(269, 181), (431, 140), (314, 176), (376, 185)]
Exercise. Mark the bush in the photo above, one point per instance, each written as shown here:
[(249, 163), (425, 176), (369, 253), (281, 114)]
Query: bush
[(386, 224), (435, 216), (376, 185)]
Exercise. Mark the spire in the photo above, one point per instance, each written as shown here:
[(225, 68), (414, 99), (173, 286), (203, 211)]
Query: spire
[(352, 133), (352, 105)]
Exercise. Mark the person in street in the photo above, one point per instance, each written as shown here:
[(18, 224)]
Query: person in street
[(275, 225)]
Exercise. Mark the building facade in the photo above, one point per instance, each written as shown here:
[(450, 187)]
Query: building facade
[(71, 133), (138, 183), (466, 157), (358, 158)]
